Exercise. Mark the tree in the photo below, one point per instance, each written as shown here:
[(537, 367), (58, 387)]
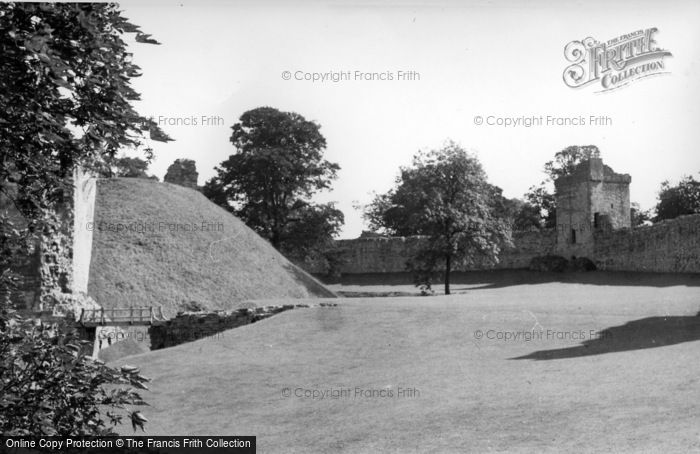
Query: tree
[(526, 216), (638, 216), (182, 172), (566, 160), (269, 181), (678, 200), (541, 203), (310, 234), (65, 101), (444, 195), (131, 167), (387, 215), (213, 190), (127, 167), (65, 94)]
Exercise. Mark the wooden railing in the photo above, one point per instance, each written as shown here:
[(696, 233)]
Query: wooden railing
[(130, 316)]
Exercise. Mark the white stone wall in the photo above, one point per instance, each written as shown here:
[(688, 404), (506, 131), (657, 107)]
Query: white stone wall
[(85, 189)]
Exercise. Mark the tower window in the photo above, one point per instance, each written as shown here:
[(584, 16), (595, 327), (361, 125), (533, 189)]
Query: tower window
[(611, 206), (573, 236), (596, 220)]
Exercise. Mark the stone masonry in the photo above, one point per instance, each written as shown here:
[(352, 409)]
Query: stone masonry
[(593, 198), (593, 221)]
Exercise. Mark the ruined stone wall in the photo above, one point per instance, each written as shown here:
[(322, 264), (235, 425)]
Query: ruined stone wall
[(671, 246), (526, 246), (47, 268), (389, 255), (56, 250), (574, 218), (191, 326), (612, 199), (53, 269), (592, 195), (377, 255)]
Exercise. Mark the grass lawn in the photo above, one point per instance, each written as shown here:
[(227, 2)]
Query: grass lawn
[(614, 368)]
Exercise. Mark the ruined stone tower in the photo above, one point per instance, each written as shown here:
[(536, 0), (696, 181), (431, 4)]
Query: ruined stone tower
[(59, 259), (592, 198)]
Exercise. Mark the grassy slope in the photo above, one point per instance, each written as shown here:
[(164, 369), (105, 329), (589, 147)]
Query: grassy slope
[(220, 267), (473, 396)]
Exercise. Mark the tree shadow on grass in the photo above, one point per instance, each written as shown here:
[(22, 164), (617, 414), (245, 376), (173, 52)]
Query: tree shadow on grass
[(648, 332), (493, 279)]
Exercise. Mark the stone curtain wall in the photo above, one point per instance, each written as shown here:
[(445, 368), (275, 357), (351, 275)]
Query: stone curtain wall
[(376, 255), (670, 246), (526, 246), (389, 255)]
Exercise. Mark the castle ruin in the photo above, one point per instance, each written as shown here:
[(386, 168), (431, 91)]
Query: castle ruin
[(593, 221), (592, 198)]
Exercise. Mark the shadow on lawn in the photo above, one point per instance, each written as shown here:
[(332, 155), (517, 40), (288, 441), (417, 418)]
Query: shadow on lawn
[(482, 280), (635, 335)]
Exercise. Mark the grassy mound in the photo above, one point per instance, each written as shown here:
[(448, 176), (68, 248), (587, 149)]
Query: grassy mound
[(162, 244)]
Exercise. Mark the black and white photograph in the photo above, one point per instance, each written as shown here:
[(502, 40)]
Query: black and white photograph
[(336, 226)]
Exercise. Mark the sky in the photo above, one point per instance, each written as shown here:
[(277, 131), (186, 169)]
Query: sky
[(449, 64)]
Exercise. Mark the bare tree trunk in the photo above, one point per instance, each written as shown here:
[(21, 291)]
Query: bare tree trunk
[(448, 266)]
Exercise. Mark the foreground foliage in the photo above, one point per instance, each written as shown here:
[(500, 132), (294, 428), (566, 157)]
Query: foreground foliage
[(65, 102), (48, 386)]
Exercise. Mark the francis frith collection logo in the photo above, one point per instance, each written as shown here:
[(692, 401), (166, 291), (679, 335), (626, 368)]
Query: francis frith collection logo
[(614, 63)]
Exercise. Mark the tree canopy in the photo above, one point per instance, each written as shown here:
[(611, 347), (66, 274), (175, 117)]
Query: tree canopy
[(678, 200), (539, 210), (127, 167), (445, 196), (182, 172), (269, 181), (65, 101), (65, 95), (566, 160)]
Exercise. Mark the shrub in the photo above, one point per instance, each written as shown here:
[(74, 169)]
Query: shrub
[(560, 264), (549, 263), (582, 264), (49, 387), (193, 306), (426, 289)]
